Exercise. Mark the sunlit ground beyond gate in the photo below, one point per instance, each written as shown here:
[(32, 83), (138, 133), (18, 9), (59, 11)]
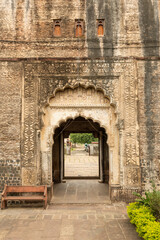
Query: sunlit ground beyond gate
[(80, 164)]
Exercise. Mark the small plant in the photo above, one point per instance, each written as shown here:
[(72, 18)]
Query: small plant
[(151, 199), (145, 222), (143, 200)]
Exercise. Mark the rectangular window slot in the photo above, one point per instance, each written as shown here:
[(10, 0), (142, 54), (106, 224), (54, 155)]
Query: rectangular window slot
[(79, 28), (100, 27), (57, 28)]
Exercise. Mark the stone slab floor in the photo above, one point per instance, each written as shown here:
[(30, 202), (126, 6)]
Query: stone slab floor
[(81, 191), (80, 164), (65, 220)]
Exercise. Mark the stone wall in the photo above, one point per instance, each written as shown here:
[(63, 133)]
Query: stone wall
[(149, 87), (149, 120), (10, 123), (26, 28), (125, 63)]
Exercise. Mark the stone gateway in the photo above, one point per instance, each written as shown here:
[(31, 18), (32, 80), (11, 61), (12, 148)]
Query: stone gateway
[(92, 61)]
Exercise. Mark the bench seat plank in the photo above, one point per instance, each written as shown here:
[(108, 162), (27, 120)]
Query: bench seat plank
[(24, 198), (25, 189)]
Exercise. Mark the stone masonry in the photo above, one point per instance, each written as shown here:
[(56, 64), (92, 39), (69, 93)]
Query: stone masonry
[(123, 64)]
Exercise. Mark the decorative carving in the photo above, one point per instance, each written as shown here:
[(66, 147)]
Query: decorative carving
[(49, 85), (53, 76), (130, 107), (132, 176), (120, 124), (79, 68), (79, 97), (29, 176), (30, 120), (43, 80)]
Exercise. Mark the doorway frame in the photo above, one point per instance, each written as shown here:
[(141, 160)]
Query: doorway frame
[(102, 112)]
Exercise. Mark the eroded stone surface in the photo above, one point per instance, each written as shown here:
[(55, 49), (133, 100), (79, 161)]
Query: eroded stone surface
[(36, 68)]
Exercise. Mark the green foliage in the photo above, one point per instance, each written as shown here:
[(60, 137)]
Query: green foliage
[(136, 208), (145, 222), (143, 200), (132, 208), (82, 138), (152, 200), (152, 231), (154, 203)]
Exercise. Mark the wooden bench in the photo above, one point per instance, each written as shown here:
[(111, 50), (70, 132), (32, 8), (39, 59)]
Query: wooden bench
[(21, 194)]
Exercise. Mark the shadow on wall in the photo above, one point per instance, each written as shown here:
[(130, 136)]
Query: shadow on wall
[(109, 11), (149, 29)]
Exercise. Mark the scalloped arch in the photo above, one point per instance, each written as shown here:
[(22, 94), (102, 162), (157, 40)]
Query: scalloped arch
[(79, 115), (85, 86)]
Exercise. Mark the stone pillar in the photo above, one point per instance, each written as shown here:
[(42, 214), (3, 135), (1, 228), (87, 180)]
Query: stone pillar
[(62, 156), (101, 156)]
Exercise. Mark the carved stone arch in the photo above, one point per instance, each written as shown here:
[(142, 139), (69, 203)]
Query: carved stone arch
[(43, 79), (97, 87), (69, 102), (79, 115)]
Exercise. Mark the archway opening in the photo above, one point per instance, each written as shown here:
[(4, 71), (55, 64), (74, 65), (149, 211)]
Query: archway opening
[(82, 166), (64, 107), (81, 155)]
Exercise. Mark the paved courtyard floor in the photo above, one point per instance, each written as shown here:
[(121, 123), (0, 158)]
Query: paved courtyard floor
[(65, 220), (80, 164)]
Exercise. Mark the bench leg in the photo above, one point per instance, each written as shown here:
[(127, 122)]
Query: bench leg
[(3, 204), (45, 203)]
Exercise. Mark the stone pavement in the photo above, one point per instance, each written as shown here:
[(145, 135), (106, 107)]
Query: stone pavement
[(71, 216), (67, 222), (81, 191), (80, 164)]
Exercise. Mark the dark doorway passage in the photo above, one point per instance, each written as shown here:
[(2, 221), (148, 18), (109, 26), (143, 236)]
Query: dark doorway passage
[(81, 187)]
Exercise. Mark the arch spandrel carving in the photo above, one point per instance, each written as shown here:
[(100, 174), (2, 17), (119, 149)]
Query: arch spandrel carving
[(79, 97), (53, 90)]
